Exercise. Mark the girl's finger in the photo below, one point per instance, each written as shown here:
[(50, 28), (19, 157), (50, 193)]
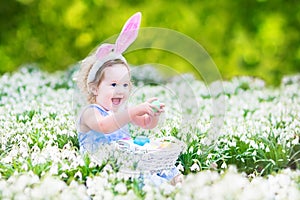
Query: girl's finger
[(150, 111), (152, 99)]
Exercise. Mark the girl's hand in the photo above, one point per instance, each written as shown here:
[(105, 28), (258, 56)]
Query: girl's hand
[(148, 108), (142, 109), (157, 106), (146, 115)]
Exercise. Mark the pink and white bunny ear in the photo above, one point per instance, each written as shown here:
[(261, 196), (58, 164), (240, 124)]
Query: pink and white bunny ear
[(129, 33), (104, 50), (108, 52)]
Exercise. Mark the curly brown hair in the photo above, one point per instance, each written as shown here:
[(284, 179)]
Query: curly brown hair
[(85, 68)]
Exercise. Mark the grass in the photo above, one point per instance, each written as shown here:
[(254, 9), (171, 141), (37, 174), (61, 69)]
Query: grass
[(258, 143)]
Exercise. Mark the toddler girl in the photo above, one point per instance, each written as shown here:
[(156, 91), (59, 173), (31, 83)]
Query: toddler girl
[(104, 78)]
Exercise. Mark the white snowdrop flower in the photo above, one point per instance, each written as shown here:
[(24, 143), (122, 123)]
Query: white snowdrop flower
[(293, 193), (25, 195), (92, 164), (233, 185), (64, 175), (232, 169), (43, 173), (24, 167), (130, 195), (121, 188), (112, 176), (123, 176), (20, 183), (78, 174), (91, 191), (283, 180), (54, 169), (35, 149), (74, 184), (166, 188), (209, 156), (39, 159), (207, 162), (195, 167), (67, 195), (257, 189), (148, 186), (191, 150), (232, 143), (224, 165), (118, 197), (49, 187), (180, 167), (7, 159), (108, 195), (253, 144), (261, 145), (295, 141)]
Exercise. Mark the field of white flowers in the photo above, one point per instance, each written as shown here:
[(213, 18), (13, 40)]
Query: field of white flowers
[(252, 154)]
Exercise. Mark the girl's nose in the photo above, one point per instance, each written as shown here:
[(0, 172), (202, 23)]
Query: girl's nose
[(119, 90)]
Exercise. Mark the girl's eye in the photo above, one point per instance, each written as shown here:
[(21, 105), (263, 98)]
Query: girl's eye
[(114, 84), (125, 85)]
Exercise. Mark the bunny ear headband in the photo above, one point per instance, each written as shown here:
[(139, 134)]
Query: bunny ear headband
[(108, 52)]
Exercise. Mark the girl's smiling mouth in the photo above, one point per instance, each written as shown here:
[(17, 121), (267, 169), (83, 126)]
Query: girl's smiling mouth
[(116, 101)]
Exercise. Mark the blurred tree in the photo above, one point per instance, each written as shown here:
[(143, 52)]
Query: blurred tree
[(243, 37)]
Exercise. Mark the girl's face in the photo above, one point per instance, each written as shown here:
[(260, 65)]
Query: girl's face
[(114, 88)]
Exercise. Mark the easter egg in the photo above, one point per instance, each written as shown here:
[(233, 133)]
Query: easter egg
[(157, 104), (141, 140)]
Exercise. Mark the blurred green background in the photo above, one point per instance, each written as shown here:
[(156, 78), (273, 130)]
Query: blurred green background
[(243, 37)]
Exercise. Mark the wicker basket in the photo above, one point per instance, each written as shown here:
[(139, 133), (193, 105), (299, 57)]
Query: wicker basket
[(160, 154)]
